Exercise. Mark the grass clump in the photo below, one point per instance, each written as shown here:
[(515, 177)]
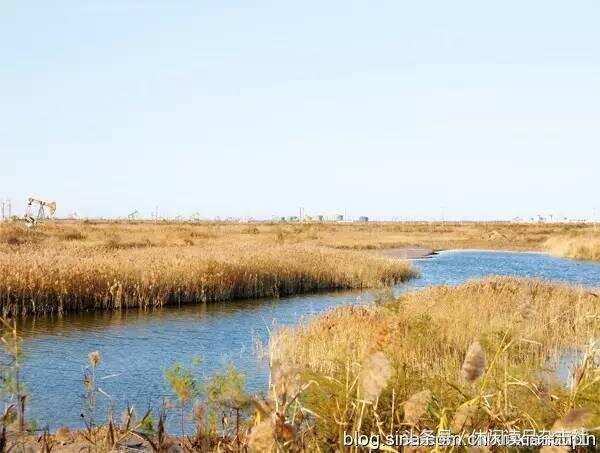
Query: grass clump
[(581, 247)]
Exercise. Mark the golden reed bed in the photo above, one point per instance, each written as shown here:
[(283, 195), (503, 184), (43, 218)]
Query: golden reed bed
[(56, 269), (480, 356), (79, 265)]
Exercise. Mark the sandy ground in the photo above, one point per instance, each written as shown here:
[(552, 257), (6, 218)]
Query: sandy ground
[(407, 253)]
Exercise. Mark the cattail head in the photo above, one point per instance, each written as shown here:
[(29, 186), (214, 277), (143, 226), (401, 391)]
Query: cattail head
[(94, 358), (416, 406), (261, 438), (577, 376), (284, 431), (474, 363), (374, 375)]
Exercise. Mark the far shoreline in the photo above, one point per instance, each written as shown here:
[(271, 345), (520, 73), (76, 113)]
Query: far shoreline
[(408, 253)]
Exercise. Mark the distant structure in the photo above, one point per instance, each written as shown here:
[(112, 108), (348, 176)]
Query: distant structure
[(45, 210), (304, 217), (196, 217), (5, 209), (132, 215)]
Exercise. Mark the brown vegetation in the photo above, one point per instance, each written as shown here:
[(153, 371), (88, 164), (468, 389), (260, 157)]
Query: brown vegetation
[(71, 265), (578, 246), (479, 356), (462, 358), (62, 267)]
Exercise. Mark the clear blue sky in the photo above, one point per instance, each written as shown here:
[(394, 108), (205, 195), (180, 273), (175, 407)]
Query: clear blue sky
[(386, 108)]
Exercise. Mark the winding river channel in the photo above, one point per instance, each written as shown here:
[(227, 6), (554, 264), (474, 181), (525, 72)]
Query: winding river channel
[(136, 347)]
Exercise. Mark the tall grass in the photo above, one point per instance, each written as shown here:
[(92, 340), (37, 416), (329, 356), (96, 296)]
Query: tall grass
[(446, 235), (16, 235), (371, 236), (49, 280), (582, 247), (480, 356), (60, 266), (462, 358)]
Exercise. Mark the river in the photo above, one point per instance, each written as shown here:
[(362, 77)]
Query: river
[(137, 346)]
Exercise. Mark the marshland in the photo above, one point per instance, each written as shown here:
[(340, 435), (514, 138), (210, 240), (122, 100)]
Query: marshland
[(74, 266), (132, 318), (431, 343)]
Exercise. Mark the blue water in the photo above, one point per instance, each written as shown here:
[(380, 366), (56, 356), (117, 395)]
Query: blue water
[(136, 346), (454, 267)]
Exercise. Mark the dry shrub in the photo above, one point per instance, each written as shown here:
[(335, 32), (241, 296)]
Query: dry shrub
[(371, 236)]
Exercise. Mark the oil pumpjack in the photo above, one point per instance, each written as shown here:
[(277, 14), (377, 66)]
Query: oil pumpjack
[(45, 210)]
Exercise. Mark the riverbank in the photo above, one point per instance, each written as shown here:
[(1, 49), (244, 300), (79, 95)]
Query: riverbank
[(480, 356), (73, 265), (581, 247), (408, 253), (57, 268), (57, 281)]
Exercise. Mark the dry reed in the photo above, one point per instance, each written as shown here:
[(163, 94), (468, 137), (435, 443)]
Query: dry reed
[(435, 338), (579, 246), (47, 280)]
